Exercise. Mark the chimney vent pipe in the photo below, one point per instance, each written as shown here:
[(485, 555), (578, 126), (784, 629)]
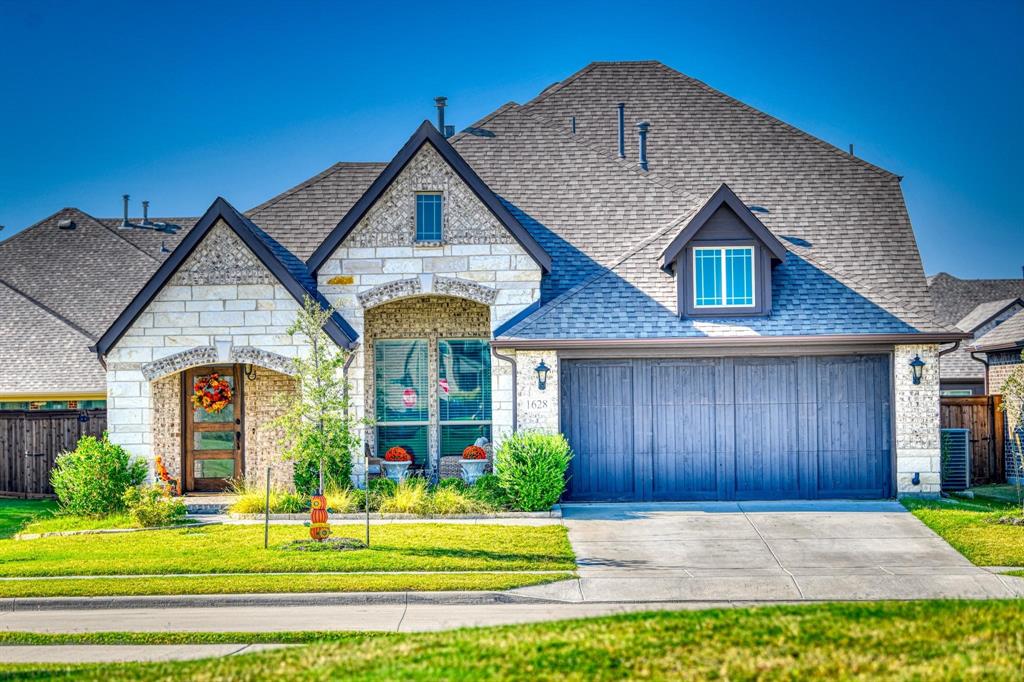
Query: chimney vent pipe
[(622, 130), (642, 127), (145, 212), (124, 222), (441, 103)]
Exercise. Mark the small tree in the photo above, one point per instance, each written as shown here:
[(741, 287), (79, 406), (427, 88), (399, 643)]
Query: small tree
[(318, 432), (1012, 391)]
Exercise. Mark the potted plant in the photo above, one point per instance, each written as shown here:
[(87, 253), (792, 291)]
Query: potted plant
[(396, 463), (474, 459)]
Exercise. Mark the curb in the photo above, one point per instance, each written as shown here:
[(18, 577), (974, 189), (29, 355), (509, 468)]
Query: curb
[(464, 598), (109, 531)]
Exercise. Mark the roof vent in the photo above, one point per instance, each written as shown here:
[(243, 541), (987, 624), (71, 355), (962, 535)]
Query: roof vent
[(124, 221), (441, 103), (622, 130), (642, 128), (754, 208), (145, 213), (66, 224)]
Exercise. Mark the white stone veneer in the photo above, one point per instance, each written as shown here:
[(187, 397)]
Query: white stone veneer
[(917, 421)]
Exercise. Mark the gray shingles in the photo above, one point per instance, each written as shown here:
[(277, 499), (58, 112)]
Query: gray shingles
[(983, 312), (1007, 335), (954, 298)]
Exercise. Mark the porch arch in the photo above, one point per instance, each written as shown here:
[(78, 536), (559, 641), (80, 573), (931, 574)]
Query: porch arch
[(207, 355), (426, 285)]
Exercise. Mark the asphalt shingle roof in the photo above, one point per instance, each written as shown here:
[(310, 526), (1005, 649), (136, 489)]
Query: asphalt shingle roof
[(1007, 335), (954, 298), (982, 313)]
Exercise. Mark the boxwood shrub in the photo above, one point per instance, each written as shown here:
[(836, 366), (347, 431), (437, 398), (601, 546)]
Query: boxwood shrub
[(531, 469), (91, 480)]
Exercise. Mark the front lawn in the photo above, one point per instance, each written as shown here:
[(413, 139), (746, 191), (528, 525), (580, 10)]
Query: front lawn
[(16, 513), (905, 640), (971, 527), (239, 549)]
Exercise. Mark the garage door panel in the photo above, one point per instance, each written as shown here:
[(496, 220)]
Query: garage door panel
[(853, 423), (684, 449), (767, 450), (599, 399)]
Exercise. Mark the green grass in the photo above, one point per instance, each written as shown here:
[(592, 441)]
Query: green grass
[(971, 527), (61, 523), (110, 638), (259, 583), (902, 641), (16, 513), (999, 492), (239, 549)]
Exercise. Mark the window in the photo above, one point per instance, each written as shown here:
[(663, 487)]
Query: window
[(400, 384), (956, 392), (428, 217), (464, 393), (723, 277)]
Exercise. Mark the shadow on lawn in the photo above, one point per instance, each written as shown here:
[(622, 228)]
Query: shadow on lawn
[(478, 554)]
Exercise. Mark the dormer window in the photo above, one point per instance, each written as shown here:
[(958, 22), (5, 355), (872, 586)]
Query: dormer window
[(428, 216), (722, 260), (723, 277)]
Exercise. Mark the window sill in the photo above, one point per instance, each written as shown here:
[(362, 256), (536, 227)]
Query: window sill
[(430, 243)]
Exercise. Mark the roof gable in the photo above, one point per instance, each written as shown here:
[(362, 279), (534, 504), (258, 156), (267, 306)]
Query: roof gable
[(283, 265), (1006, 336), (723, 196), (984, 313), (427, 134)]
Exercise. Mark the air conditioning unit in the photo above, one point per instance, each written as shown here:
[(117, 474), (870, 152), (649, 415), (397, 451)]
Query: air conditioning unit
[(956, 459)]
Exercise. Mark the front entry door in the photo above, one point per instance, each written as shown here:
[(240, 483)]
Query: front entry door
[(213, 440)]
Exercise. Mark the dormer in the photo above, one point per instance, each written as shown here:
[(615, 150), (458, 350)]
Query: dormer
[(722, 260)]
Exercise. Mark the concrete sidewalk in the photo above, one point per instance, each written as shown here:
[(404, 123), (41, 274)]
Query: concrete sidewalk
[(123, 653)]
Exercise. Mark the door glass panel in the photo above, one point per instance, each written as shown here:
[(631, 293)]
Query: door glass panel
[(214, 468), (213, 440), (225, 416)]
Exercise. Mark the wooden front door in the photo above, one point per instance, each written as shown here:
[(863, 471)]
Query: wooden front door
[(213, 440)]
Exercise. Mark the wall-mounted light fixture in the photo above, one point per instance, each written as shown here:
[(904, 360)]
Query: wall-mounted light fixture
[(542, 375), (917, 367)]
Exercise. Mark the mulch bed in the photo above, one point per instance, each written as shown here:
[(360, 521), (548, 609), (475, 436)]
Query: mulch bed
[(328, 545)]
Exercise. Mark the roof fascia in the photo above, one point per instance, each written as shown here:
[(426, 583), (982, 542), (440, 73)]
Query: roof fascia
[(735, 341), (426, 133), (722, 196)]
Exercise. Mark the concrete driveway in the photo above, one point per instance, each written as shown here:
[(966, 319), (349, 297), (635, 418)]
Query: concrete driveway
[(764, 551)]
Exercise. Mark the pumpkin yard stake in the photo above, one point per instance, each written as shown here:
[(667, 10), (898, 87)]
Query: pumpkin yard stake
[(318, 528)]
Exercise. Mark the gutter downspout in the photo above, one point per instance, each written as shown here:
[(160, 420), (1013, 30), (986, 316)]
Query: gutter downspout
[(984, 362), (515, 372)]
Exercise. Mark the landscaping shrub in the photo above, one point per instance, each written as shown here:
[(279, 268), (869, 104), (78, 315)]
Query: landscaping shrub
[(252, 499), (343, 500), (531, 469), (150, 506), (452, 500), (91, 480), (455, 483), (488, 490), (337, 471), (409, 497)]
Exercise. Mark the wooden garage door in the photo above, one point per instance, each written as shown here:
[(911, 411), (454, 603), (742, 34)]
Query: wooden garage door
[(714, 428)]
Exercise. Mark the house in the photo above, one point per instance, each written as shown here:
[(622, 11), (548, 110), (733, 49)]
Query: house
[(708, 302), (1002, 346), (975, 306)]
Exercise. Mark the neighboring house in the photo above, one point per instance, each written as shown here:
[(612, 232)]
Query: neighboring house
[(708, 302), (975, 306), (1002, 347)]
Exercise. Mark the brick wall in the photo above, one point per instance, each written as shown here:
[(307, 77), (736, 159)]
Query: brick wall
[(166, 406), (917, 420), (262, 397)]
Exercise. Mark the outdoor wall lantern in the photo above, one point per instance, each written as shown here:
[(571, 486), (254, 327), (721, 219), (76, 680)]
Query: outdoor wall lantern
[(542, 375), (917, 367)]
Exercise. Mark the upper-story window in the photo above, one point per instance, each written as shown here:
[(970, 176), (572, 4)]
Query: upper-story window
[(428, 217), (723, 277)]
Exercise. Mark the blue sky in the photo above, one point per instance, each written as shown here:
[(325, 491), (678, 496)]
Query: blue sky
[(180, 104)]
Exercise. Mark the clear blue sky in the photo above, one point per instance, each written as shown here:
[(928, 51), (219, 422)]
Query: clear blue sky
[(179, 104)]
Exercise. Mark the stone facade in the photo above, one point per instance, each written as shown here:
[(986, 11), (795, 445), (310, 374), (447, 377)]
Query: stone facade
[(423, 317), (262, 405), (917, 421), (167, 428), (538, 410), (380, 259), (220, 293)]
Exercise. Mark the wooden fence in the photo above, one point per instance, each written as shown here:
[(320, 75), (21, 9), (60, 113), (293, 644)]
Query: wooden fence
[(31, 441), (982, 415)]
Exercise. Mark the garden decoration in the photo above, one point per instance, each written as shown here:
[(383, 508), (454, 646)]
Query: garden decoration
[(211, 393), (171, 486), (318, 528), (474, 459), (396, 463)]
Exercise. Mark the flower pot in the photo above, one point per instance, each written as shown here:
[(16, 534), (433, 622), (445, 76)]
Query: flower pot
[(472, 469), (396, 471)]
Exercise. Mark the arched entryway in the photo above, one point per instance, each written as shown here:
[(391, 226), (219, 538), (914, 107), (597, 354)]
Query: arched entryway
[(428, 377)]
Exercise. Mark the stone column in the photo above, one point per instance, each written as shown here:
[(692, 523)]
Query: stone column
[(917, 421), (537, 409)]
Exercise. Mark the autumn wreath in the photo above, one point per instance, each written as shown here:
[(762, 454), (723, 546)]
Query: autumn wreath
[(211, 393), (474, 452), (397, 454)]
